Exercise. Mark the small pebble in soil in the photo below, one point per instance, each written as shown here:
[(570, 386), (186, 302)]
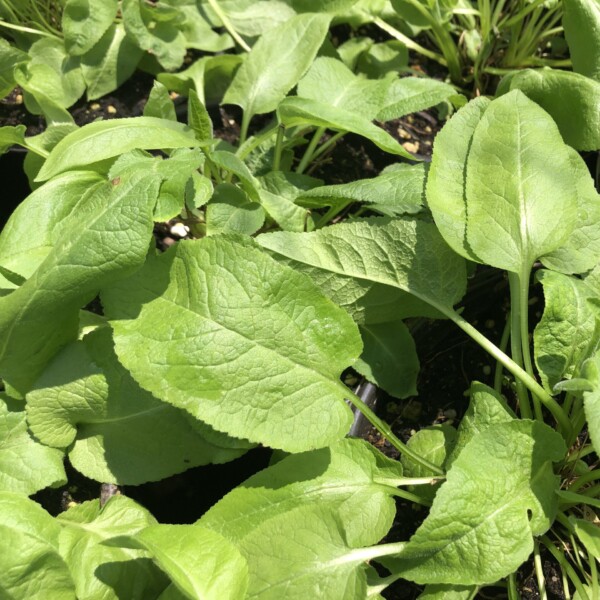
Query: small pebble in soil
[(487, 370), (179, 230), (411, 147), (111, 110), (94, 106)]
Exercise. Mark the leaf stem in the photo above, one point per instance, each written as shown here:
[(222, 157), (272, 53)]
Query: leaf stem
[(539, 571), (278, 147), (246, 116), (562, 561), (228, 25), (503, 345), (386, 432), (310, 150), (24, 29)]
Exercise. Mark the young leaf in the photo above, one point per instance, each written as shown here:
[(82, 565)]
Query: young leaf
[(570, 98), (160, 104), (302, 111), (12, 135), (200, 562), (389, 358), (110, 62), (198, 117), (231, 211), (105, 571), (591, 399), (243, 366), (405, 254), (330, 6), (581, 21), (499, 493), (449, 592), (434, 443), (114, 430), (106, 139), (10, 57), (104, 240), (158, 36), (486, 408), (30, 564), (567, 329), (581, 250), (26, 466), (348, 475), (276, 63), (84, 23)]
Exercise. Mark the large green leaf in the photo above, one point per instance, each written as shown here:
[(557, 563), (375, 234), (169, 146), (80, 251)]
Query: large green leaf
[(343, 477), (30, 564), (37, 223), (26, 465), (581, 20), (104, 240), (514, 200), (499, 493), (106, 139), (86, 401), (375, 255), (238, 340), (303, 111), (104, 571), (580, 252), (276, 63), (110, 62), (201, 563), (84, 23), (567, 329), (570, 98)]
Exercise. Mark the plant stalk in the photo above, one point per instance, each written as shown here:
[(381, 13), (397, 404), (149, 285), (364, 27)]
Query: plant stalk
[(228, 25)]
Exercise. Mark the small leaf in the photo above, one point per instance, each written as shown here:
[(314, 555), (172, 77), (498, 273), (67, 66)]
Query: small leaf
[(241, 366), (301, 111), (276, 63), (26, 465), (389, 359), (84, 23), (231, 211), (106, 139), (201, 563), (159, 103), (591, 399), (499, 493), (103, 571), (198, 117)]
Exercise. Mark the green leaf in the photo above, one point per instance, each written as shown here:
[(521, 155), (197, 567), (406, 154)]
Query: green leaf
[(106, 139), (87, 401), (201, 563), (398, 191), (581, 21), (26, 466), (11, 135), (160, 38), (231, 211), (330, 6), (241, 366), (449, 592), (412, 94), (499, 493), (301, 111), (486, 408), (433, 443), (160, 104), (379, 60), (389, 358), (348, 475), (110, 62), (253, 18), (329, 81), (377, 254), (589, 534), (103, 571), (570, 98), (276, 63), (104, 240), (581, 250), (516, 202), (30, 564), (567, 330), (230, 162), (198, 117), (84, 23), (10, 57), (591, 399), (37, 224)]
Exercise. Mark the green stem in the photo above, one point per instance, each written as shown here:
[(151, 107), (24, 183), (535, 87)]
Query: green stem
[(332, 212), (328, 144), (387, 433), (246, 116), (408, 42), (255, 141), (228, 25), (513, 592), (24, 29), (562, 561), (583, 479), (310, 150), (516, 345), (278, 147), (503, 346), (408, 496), (539, 571), (548, 401), (572, 499)]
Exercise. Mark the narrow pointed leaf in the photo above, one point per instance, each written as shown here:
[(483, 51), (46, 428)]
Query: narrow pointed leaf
[(106, 139), (276, 63), (263, 365), (498, 495)]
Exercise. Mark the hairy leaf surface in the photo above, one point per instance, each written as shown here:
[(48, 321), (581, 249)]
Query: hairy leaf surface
[(84, 23), (581, 20)]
